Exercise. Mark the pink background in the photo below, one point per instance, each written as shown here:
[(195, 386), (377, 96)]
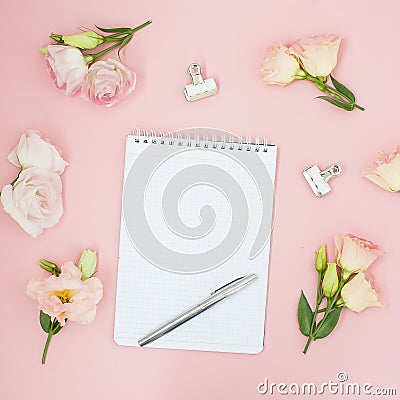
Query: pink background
[(229, 42)]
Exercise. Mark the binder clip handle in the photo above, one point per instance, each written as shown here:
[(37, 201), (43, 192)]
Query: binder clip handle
[(331, 171), (194, 71)]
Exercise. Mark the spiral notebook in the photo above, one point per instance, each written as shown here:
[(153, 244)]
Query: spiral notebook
[(197, 212)]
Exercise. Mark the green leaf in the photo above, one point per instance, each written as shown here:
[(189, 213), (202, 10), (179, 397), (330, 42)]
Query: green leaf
[(343, 90), (329, 324), (113, 30), (127, 39), (337, 103), (304, 315), (45, 321)]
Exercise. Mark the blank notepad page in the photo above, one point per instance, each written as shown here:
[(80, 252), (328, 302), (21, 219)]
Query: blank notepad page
[(196, 214)]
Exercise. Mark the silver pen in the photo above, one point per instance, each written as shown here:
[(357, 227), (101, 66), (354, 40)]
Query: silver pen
[(215, 297)]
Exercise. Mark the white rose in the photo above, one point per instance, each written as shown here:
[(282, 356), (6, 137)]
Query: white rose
[(359, 293), (34, 201), (317, 54), (33, 151), (387, 171), (66, 66), (279, 66)]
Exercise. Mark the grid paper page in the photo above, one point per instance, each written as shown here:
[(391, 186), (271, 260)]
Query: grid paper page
[(194, 219)]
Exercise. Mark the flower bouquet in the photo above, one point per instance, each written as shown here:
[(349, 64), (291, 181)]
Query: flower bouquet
[(70, 293), (34, 197), (312, 59), (75, 69), (343, 283)]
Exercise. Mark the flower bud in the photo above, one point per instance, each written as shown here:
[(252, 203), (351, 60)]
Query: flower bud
[(86, 40), (320, 259), (49, 266), (57, 38), (87, 263), (330, 282)]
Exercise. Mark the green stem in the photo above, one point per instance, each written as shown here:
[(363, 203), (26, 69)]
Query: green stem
[(325, 308), (108, 39), (53, 329), (310, 338), (331, 304), (138, 28), (318, 301), (359, 107), (115, 35), (93, 57), (334, 93), (46, 346), (114, 38), (324, 87)]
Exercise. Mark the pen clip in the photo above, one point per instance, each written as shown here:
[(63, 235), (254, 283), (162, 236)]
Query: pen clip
[(227, 284)]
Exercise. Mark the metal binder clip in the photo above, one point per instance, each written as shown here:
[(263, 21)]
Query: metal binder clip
[(318, 180), (200, 88)]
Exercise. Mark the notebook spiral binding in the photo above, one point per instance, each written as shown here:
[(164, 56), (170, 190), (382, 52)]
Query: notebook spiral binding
[(213, 141)]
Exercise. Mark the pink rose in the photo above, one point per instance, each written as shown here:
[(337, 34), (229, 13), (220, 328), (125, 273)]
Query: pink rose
[(108, 82), (33, 151), (34, 201), (279, 66), (317, 54), (66, 296), (67, 67), (387, 171), (354, 254), (359, 292)]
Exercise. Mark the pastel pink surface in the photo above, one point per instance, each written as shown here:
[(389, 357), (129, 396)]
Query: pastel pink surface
[(229, 42)]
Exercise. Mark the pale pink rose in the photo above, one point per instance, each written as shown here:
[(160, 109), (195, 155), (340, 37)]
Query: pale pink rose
[(317, 54), (359, 292), (66, 296), (107, 82), (67, 67), (33, 151), (387, 171), (279, 66), (354, 254), (34, 201)]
